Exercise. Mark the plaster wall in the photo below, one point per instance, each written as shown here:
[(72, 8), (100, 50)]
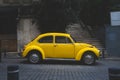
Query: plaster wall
[(26, 31), (1, 1)]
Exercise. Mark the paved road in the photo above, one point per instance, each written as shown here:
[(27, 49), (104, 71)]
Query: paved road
[(59, 70)]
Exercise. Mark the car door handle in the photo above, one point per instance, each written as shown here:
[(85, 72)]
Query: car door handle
[(55, 45)]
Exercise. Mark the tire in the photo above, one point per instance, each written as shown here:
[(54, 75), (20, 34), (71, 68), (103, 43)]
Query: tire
[(89, 58), (34, 57)]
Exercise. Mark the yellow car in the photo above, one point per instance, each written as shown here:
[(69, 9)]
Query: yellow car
[(59, 45)]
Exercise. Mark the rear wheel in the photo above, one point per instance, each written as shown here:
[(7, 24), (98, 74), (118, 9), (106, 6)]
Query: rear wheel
[(89, 58), (34, 57)]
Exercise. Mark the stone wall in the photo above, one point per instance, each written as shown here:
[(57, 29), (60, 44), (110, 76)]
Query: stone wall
[(81, 34), (78, 32), (26, 31)]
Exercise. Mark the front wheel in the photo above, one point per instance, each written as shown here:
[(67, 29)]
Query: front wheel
[(34, 57), (89, 58)]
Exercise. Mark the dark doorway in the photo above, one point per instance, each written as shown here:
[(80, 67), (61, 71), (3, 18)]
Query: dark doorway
[(8, 28), (113, 41)]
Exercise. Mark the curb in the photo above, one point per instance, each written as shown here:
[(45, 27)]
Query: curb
[(113, 58)]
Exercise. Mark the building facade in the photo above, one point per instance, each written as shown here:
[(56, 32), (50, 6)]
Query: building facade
[(16, 24)]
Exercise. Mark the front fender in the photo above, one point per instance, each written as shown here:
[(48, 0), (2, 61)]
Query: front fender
[(81, 52), (28, 49)]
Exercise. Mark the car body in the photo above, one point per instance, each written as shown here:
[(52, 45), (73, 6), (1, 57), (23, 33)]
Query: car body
[(59, 45)]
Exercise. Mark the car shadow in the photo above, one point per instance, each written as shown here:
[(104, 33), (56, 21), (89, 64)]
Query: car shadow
[(60, 62), (55, 62)]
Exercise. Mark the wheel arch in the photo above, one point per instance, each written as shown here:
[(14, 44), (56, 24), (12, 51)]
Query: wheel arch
[(81, 53), (33, 48), (89, 52)]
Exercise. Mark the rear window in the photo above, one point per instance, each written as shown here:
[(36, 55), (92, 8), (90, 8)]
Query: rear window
[(47, 39)]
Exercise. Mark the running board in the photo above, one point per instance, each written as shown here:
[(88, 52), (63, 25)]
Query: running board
[(62, 59)]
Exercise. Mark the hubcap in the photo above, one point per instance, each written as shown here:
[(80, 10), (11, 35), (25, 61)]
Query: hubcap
[(34, 58), (89, 59)]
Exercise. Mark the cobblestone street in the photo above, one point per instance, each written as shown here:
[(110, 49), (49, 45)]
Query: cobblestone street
[(59, 70)]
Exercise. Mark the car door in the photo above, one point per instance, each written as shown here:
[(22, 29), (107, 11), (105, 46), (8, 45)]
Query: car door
[(46, 43), (63, 47)]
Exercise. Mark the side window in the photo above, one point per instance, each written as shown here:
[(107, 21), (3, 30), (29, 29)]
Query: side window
[(61, 39), (47, 39)]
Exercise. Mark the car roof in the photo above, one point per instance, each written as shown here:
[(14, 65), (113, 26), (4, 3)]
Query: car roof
[(52, 34), (64, 34)]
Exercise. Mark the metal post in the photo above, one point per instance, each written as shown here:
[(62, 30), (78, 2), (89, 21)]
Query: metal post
[(114, 73), (5, 53), (103, 53), (13, 72), (0, 52), (0, 55)]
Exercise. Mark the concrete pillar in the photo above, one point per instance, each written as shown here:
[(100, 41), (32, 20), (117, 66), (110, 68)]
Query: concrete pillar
[(1, 1), (26, 31)]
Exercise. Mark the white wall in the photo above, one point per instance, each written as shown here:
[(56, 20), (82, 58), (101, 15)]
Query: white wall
[(26, 31), (115, 18)]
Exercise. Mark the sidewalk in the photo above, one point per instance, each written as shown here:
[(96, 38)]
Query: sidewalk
[(12, 55), (113, 58), (58, 70)]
